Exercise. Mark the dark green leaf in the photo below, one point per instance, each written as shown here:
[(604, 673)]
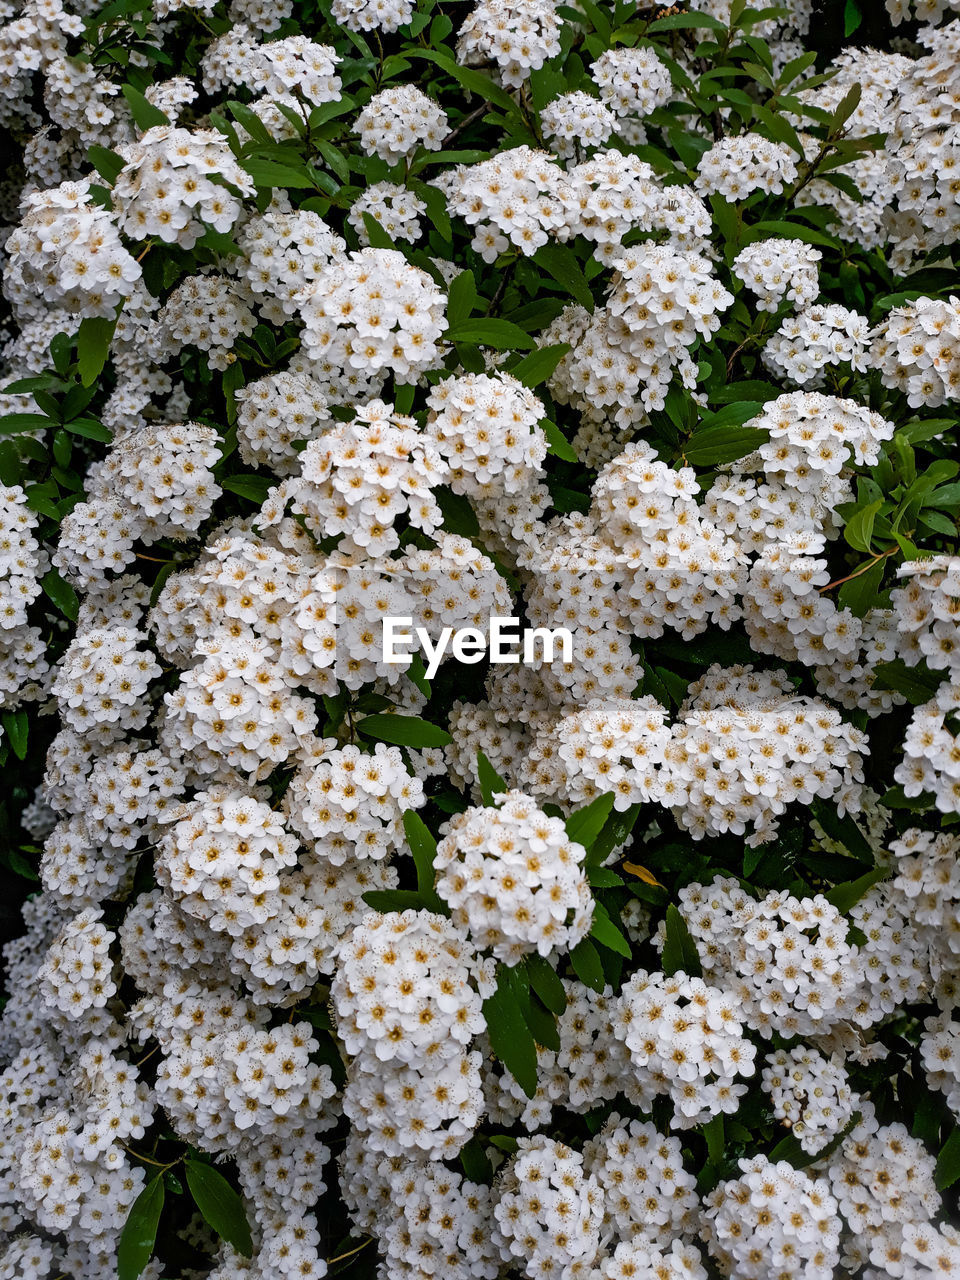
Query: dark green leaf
[(424, 849), (586, 965), (12, 423), (546, 982), (461, 298), (679, 949), (858, 530), (557, 442), (62, 594), (17, 728), (248, 486), (917, 684), (560, 262), (715, 445), (510, 1037), (404, 731), (93, 346), (490, 332), (845, 896), (585, 824), (220, 1205), (948, 1162), (539, 366), (604, 931), (269, 174), (490, 782), (139, 1233), (145, 114)]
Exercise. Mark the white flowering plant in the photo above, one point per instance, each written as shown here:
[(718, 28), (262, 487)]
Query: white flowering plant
[(637, 956)]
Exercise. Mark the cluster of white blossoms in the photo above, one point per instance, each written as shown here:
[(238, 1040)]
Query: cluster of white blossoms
[(810, 1094), (512, 198), (737, 166), (68, 252), (774, 1221), (774, 270), (927, 610), (514, 879), (373, 313), (487, 429), (166, 188), (917, 349), (626, 996), (517, 37), (575, 122), (816, 338), (395, 122), (686, 1040), (632, 82), (395, 208)]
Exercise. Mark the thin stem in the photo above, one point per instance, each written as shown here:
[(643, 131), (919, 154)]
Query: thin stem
[(340, 1257), (864, 568), (465, 124)]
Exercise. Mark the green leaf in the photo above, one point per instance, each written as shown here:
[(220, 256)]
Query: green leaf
[(403, 731), (145, 114), (715, 445), (604, 931), (790, 230), (269, 174), (680, 21), (387, 900), (917, 684), (847, 895), (539, 366), (844, 831), (461, 298), (436, 203), (510, 1037), (858, 530), (587, 965), (90, 429), (679, 949), (749, 390), (12, 423), (249, 486), (546, 982), (500, 334), (585, 824), (424, 849), (490, 782), (560, 262), (17, 728), (107, 163), (948, 1162), (377, 234), (220, 1205), (472, 81), (859, 595), (93, 346), (615, 832), (847, 106), (458, 515), (852, 17), (139, 1234), (62, 594), (557, 442)]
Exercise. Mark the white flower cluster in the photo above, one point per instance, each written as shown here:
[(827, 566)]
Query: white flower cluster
[(408, 995), (395, 208), (487, 431), (774, 1220), (370, 15), (774, 270), (371, 312), (917, 350), (296, 65), (816, 338), (274, 413), (518, 36), (810, 1094), (512, 198), (22, 564), (395, 122), (685, 1040), (67, 251), (575, 122), (632, 82), (737, 166), (514, 879), (927, 610), (358, 477), (165, 188), (209, 312), (283, 252)]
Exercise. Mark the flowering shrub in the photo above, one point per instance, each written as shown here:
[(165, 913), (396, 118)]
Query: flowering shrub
[(637, 956)]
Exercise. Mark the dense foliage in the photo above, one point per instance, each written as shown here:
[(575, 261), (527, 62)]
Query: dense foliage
[(637, 961)]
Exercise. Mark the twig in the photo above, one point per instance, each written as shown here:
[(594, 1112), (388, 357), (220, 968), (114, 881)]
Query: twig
[(864, 568), (465, 124), (340, 1257)]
